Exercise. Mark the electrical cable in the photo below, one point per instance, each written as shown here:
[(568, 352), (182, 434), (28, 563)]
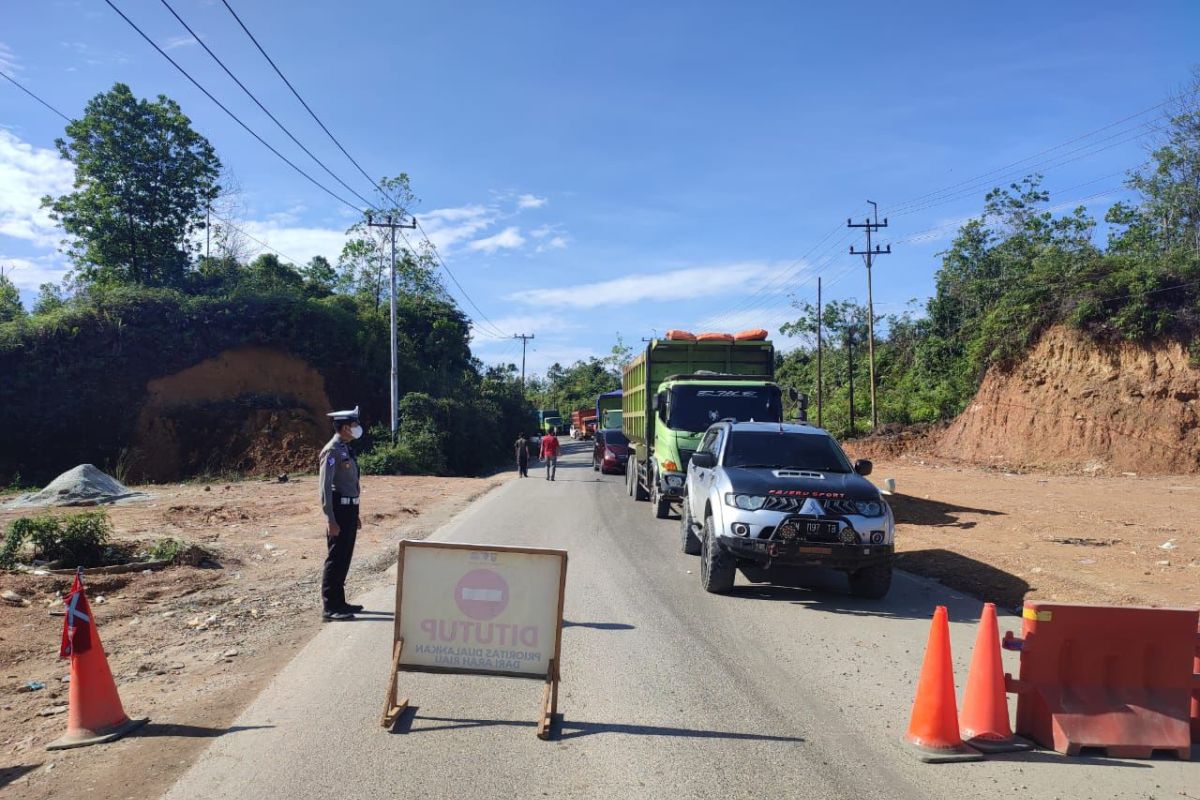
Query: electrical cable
[(307, 108), (258, 103), (14, 82), (233, 116)]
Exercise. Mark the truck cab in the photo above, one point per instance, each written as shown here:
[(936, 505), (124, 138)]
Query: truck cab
[(675, 390)]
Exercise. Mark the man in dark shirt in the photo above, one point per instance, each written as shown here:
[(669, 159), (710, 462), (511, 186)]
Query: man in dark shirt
[(522, 447)]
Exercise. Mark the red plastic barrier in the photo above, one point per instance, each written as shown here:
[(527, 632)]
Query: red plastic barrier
[(1196, 693), (1119, 679)]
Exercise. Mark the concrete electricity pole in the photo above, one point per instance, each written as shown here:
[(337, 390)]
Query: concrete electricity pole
[(392, 226), (869, 254), (524, 341), (820, 383)]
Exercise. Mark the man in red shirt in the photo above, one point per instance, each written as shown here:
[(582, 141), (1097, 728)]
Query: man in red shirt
[(550, 454)]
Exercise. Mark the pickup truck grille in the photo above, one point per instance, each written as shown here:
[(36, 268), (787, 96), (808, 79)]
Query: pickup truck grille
[(794, 504)]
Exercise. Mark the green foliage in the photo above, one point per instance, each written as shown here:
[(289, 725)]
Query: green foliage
[(167, 549), (577, 386), (50, 299), (144, 179), (76, 539), (10, 300)]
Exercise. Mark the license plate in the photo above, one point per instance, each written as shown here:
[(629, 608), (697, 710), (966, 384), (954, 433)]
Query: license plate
[(821, 551), (818, 530)]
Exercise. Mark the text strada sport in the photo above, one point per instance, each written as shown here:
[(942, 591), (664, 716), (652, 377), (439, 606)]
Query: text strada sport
[(807, 493)]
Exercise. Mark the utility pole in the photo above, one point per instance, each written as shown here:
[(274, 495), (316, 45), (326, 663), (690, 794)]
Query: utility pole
[(869, 254), (820, 395), (391, 225), (850, 370), (524, 341), (207, 232)]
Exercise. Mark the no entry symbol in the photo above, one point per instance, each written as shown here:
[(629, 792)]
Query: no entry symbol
[(482, 594)]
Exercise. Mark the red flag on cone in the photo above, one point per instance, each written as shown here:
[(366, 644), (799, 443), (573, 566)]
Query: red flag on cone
[(95, 714), (77, 624)]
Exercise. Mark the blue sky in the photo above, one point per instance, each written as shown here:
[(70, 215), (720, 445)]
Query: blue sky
[(589, 169)]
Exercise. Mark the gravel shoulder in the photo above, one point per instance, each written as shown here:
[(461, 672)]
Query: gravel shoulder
[(191, 646)]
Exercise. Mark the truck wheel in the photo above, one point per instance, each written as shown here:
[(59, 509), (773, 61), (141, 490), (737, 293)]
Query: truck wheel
[(691, 544), (639, 492), (717, 569), (871, 582), (662, 507)]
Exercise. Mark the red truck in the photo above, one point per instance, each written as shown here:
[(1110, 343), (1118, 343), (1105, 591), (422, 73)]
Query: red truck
[(583, 423)]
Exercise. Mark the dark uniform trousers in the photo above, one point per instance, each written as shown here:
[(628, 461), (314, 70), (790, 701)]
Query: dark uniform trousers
[(337, 560)]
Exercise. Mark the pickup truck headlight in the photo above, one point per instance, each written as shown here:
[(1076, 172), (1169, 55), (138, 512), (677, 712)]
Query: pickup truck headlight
[(746, 502), (869, 508)]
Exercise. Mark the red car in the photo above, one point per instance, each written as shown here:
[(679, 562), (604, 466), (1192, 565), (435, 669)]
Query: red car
[(610, 451)]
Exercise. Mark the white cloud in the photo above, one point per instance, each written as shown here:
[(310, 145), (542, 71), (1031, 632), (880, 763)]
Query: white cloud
[(178, 41), (447, 227), (525, 201), (557, 243), (298, 243), (508, 239), (8, 60), (538, 324), (28, 274), (27, 173), (542, 231), (675, 285)]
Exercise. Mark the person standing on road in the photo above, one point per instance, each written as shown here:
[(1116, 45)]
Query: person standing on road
[(550, 454), (522, 447), (339, 491)]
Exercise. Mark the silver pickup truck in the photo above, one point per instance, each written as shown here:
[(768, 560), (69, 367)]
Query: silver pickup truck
[(761, 496)]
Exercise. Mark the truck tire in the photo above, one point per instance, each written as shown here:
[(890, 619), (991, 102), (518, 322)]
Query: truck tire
[(662, 508), (691, 544), (717, 569), (871, 583), (638, 491)]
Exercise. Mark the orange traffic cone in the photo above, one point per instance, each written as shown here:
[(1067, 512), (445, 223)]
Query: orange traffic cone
[(984, 718), (933, 729), (95, 714)]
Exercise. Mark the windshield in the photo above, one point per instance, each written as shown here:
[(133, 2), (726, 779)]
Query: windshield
[(553, 420), (615, 437), (694, 408), (788, 450)]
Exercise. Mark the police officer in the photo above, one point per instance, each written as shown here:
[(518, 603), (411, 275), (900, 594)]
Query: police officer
[(339, 501)]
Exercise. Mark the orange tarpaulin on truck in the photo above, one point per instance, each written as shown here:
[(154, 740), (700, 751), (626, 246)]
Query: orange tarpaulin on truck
[(752, 335), (677, 335), (715, 337)]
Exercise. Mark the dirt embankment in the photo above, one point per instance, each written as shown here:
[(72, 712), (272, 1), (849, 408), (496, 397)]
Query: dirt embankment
[(249, 411), (1078, 406)]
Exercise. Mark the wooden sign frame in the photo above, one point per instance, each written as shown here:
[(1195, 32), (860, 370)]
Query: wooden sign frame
[(393, 708)]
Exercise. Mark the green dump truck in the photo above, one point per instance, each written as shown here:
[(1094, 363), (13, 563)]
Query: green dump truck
[(550, 422), (671, 394)]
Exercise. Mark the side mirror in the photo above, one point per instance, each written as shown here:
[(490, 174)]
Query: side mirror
[(863, 466), (704, 460)]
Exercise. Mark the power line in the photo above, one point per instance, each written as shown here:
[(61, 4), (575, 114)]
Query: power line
[(466, 296), (14, 82), (233, 116), (307, 108), (258, 103)]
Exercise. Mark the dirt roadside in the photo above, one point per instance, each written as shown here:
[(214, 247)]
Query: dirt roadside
[(191, 646), (1007, 537)]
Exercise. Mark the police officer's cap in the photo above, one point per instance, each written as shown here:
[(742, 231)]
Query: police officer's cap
[(345, 416)]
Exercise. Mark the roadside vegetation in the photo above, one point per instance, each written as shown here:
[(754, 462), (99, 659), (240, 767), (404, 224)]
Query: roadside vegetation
[(1011, 273), (162, 278)]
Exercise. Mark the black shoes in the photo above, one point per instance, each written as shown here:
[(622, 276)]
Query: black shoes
[(337, 616), (351, 609)]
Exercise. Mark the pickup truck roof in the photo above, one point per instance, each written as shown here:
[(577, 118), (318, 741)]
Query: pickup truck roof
[(774, 427)]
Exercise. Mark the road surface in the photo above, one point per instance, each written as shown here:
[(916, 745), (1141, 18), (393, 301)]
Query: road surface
[(667, 692)]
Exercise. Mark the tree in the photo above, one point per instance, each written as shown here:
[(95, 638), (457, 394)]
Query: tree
[(10, 300), (143, 181), (319, 275), (268, 274), (50, 299)]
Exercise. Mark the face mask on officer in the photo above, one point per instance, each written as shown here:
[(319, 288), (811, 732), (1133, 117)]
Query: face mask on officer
[(356, 431)]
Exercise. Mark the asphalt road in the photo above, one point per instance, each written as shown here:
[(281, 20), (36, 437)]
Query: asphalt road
[(667, 692)]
